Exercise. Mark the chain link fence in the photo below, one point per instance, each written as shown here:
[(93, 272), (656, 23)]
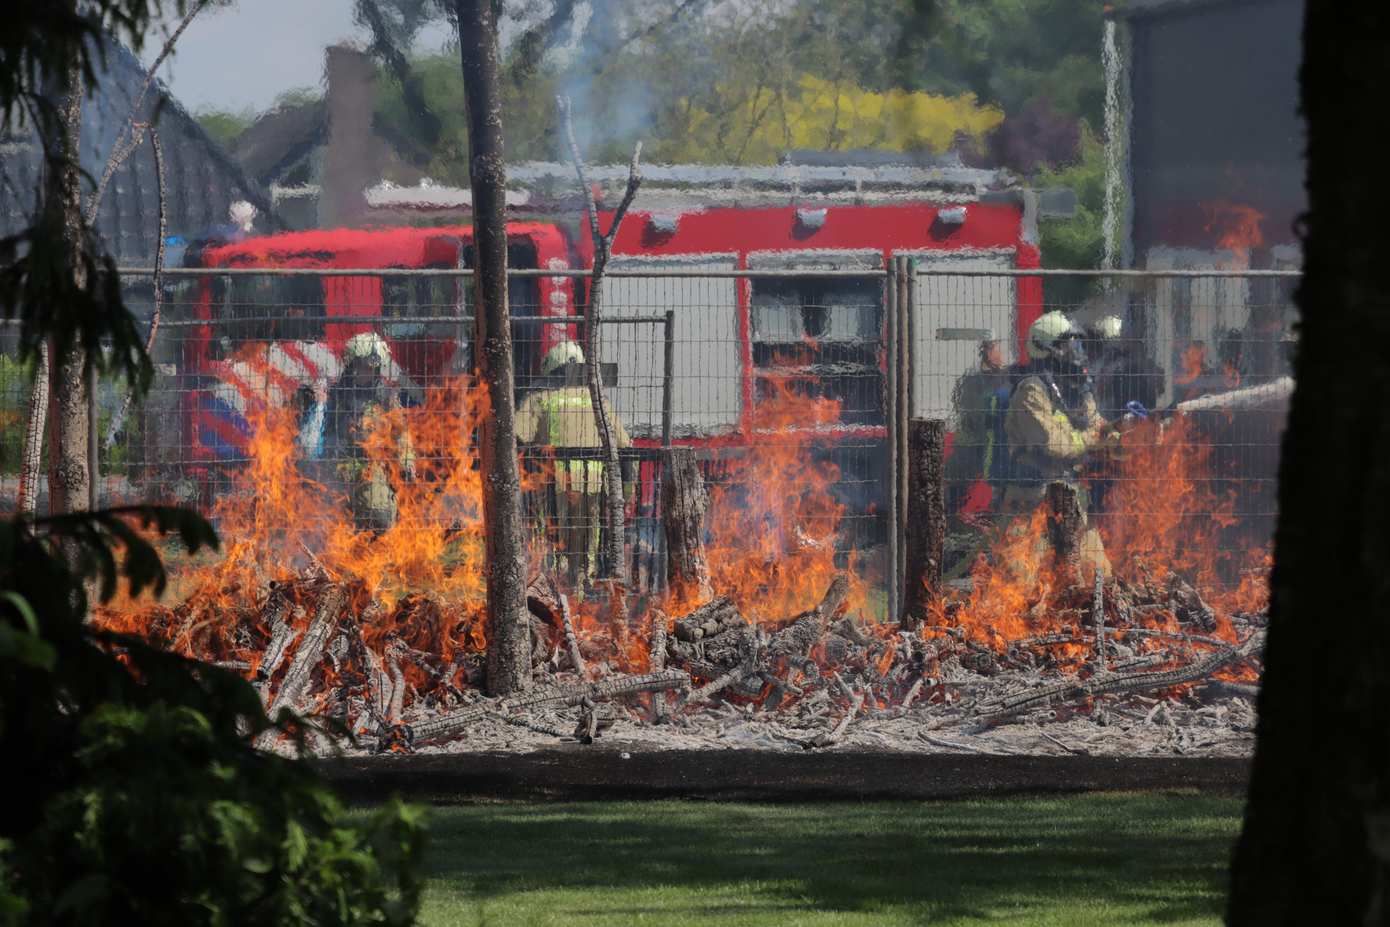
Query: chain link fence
[(358, 383)]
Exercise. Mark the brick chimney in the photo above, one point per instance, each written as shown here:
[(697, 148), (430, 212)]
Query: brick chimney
[(354, 156)]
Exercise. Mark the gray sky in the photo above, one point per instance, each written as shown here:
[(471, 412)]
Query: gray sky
[(247, 55)]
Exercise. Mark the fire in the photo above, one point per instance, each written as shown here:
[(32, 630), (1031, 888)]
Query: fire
[(1168, 516), (1236, 227), (774, 546), (1166, 523), (775, 522), (421, 579)]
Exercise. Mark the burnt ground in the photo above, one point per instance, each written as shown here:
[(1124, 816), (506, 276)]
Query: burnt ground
[(577, 772)]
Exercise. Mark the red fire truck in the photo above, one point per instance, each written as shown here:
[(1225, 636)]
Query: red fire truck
[(733, 334)]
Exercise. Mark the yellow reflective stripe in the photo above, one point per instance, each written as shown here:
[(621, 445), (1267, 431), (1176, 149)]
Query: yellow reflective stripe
[(553, 405), (1078, 440)]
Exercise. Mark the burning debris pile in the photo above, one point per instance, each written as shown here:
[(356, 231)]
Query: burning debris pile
[(775, 646)]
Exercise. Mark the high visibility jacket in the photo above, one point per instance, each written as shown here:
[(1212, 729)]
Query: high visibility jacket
[(565, 418), (1044, 443)]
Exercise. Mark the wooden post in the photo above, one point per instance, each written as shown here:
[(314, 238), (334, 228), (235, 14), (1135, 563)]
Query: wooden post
[(925, 539), (1066, 527), (683, 506)]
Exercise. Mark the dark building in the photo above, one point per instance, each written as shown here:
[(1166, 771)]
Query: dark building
[(1205, 137), (202, 180)]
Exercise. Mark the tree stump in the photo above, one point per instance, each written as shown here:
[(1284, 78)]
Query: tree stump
[(1066, 528), (684, 502), (925, 536)]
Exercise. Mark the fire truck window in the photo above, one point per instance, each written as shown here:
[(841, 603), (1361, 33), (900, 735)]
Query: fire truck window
[(265, 307), (416, 300), (818, 336), (776, 311), (823, 309)]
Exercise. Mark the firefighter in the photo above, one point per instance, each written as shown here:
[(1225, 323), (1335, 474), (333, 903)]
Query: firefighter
[(978, 399), (561, 415), (1052, 425), (357, 405)]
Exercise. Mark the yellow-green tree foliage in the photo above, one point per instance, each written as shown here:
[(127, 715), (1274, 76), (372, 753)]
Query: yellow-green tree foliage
[(819, 114)]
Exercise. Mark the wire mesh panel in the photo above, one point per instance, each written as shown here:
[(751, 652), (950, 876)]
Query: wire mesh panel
[(1160, 396), (338, 412)]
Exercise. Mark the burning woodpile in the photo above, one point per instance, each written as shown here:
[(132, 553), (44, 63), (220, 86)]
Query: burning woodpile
[(767, 637)]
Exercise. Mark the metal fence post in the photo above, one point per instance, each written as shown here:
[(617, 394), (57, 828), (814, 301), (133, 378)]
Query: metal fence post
[(891, 421), (668, 374)]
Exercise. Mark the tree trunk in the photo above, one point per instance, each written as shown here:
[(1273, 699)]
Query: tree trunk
[(508, 643), (68, 477), (1316, 843), (925, 531)]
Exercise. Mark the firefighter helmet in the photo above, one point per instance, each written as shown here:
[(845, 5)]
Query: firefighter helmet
[(369, 347), (566, 352), (1045, 333)]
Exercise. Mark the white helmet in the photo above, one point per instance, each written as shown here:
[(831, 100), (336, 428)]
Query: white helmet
[(1108, 328), (1044, 334), (566, 352), (368, 346)]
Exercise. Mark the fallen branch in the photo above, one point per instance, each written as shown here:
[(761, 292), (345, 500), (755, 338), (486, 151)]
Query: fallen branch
[(310, 651), (450, 725), (657, 661), (571, 640), (835, 735), (1132, 683)]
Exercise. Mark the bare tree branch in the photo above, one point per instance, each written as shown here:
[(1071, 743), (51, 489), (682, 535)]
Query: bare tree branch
[(131, 133), (614, 506)]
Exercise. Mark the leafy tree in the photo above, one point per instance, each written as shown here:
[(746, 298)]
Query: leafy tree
[(141, 797), (1077, 241), (144, 801), (818, 114), (224, 126)]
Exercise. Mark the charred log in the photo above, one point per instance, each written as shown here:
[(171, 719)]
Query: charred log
[(806, 630)]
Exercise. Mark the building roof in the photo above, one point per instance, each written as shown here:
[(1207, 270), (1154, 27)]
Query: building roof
[(543, 187), (280, 138), (201, 179)]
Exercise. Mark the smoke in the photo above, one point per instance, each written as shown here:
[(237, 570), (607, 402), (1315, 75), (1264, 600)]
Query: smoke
[(610, 113)]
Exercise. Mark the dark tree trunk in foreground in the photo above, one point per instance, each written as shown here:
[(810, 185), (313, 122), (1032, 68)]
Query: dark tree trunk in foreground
[(68, 478), (508, 640), (1316, 843)]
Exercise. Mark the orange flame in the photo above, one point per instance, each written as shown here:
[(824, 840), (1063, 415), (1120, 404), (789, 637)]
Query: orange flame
[(774, 523), (1236, 227)]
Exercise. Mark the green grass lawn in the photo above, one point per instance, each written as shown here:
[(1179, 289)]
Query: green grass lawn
[(1154, 858)]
